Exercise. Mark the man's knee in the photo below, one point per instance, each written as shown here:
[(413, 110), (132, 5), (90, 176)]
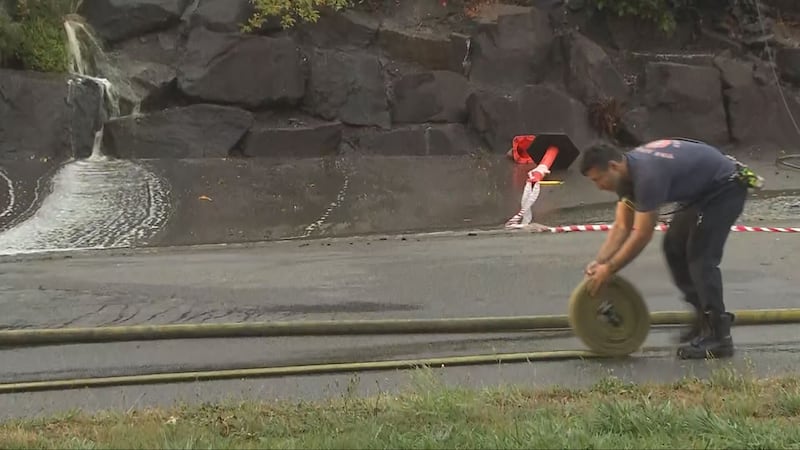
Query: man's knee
[(674, 250), (701, 269)]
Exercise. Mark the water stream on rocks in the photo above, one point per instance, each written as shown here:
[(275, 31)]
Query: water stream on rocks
[(94, 202)]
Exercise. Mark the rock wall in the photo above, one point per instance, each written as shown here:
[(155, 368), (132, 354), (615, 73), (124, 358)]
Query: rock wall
[(390, 82)]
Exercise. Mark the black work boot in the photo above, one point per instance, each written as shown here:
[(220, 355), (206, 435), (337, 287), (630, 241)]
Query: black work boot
[(699, 327), (717, 343)]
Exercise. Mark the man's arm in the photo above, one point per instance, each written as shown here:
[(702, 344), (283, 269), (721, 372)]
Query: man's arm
[(644, 224), (623, 222)]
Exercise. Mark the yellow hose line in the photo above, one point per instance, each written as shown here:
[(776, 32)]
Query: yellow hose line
[(313, 369), (29, 337)]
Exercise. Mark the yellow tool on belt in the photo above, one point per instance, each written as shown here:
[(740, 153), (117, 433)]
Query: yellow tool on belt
[(614, 323)]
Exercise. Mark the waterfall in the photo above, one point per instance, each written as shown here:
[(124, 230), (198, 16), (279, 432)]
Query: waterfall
[(99, 201)]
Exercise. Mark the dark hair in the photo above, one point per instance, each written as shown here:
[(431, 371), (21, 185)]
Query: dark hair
[(598, 156)]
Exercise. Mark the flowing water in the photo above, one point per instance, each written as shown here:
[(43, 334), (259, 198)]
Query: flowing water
[(97, 202)]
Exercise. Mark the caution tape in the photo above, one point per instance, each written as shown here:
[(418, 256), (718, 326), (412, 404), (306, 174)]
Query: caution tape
[(662, 227)]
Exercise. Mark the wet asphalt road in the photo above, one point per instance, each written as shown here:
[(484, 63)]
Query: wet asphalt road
[(415, 277)]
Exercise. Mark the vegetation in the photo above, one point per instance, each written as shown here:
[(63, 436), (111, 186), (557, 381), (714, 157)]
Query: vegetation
[(32, 35), (662, 13), (605, 115), (289, 11), (725, 411)]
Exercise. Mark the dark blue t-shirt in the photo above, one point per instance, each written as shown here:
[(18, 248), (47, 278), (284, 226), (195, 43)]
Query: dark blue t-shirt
[(674, 170)]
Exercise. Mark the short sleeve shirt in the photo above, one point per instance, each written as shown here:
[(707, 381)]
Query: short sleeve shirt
[(674, 170)]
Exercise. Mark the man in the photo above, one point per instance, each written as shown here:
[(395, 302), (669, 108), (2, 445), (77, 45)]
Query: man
[(711, 189)]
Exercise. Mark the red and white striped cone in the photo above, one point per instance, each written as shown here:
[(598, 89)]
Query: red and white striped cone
[(530, 194)]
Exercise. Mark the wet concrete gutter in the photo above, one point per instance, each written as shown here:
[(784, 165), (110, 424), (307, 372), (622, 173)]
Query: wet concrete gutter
[(215, 201)]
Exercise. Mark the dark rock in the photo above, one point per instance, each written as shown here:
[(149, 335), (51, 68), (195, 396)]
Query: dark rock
[(735, 73), (634, 124), (530, 110), (158, 47), (300, 141), (785, 6), (788, 62), (429, 49), (252, 71), (219, 15), (142, 71), (684, 100), (575, 5), (115, 20), (632, 34), (758, 116), (149, 85), (591, 74), (438, 96), (419, 140), (196, 131), (154, 83), (763, 73), (341, 29), (43, 116), (513, 51), (349, 87)]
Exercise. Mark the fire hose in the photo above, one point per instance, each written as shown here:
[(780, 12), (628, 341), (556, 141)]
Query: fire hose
[(484, 325), (615, 326)]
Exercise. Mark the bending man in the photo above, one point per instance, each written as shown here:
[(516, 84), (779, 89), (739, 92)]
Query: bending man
[(711, 189)]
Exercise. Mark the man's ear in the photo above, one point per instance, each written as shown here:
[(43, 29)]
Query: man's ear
[(615, 165)]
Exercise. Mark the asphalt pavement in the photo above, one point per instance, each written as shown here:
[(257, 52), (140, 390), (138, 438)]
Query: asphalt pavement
[(412, 276)]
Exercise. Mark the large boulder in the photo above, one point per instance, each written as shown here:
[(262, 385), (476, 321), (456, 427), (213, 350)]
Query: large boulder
[(529, 110), (419, 140), (427, 48), (735, 72), (788, 62), (235, 69), (143, 70), (591, 75), (684, 100), (196, 131), (293, 139), (45, 116), (115, 20), (438, 96), (162, 47), (759, 117), (146, 85), (512, 51), (785, 6), (219, 15), (345, 29), (349, 87)]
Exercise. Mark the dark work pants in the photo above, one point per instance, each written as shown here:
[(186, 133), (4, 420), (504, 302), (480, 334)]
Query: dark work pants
[(694, 242)]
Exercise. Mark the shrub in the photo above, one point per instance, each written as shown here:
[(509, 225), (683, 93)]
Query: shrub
[(289, 11), (32, 34), (10, 37), (662, 13)]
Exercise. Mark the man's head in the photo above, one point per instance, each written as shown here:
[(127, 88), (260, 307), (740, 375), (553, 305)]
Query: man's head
[(605, 165)]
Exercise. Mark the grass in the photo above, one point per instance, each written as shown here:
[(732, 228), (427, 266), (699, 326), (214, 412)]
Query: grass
[(725, 410)]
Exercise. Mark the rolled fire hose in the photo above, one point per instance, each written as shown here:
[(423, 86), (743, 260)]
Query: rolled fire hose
[(616, 322)]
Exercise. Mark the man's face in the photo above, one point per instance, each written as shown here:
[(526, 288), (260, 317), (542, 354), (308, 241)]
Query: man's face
[(608, 179)]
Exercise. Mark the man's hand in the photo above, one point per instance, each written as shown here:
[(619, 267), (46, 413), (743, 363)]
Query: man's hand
[(589, 270), (599, 276)]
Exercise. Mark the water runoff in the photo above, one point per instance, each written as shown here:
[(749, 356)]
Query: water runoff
[(98, 201)]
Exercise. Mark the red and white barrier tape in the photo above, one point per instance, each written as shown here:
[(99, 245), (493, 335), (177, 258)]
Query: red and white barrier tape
[(661, 227)]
